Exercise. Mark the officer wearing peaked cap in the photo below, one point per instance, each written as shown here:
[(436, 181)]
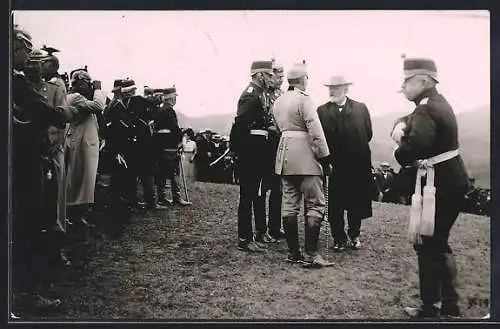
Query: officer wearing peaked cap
[(271, 180), (248, 137), (31, 117), (430, 142), (301, 161), (167, 141)]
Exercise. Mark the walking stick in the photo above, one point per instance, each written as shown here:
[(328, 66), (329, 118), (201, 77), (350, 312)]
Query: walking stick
[(327, 223), (184, 181)]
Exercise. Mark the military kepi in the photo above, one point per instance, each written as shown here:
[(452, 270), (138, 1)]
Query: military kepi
[(296, 72), (261, 66), (415, 66), (170, 92)]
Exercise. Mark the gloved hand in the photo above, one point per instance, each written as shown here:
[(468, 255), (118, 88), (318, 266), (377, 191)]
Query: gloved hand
[(326, 163)]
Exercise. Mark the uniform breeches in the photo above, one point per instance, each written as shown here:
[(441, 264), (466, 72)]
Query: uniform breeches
[(250, 186), (436, 264), (168, 168), (311, 187)]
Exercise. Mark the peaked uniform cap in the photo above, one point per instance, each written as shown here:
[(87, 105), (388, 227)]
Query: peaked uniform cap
[(117, 85), (296, 72), (38, 56), (170, 92), (128, 85), (22, 35), (415, 66), (261, 66), (80, 75)]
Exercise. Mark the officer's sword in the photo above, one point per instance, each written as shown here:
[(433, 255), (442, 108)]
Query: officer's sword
[(184, 181)]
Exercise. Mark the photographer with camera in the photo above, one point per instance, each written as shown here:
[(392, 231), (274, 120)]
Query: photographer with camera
[(83, 145)]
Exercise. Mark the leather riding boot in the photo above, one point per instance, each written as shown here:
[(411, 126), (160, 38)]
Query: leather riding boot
[(292, 234)]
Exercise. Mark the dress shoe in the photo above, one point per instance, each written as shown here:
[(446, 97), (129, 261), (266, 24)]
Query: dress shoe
[(249, 246), (264, 238), (296, 257), (419, 313), (316, 262), (182, 202), (278, 235), (355, 244)]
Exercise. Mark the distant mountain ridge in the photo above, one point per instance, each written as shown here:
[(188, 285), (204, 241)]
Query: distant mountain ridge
[(474, 137)]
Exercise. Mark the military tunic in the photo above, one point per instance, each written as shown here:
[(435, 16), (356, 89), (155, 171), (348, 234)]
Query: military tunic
[(248, 139), (431, 130)]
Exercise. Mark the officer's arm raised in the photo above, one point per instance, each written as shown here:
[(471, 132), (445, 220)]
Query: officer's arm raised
[(421, 135), (95, 106)]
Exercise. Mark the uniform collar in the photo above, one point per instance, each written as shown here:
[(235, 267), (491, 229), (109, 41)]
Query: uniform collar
[(429, 93), (256, 86)]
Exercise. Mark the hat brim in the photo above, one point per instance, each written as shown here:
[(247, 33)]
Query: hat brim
[(337, 84), (411, 73)]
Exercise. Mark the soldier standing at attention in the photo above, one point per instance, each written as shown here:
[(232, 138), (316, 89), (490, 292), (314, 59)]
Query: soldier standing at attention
[(167, 140), (431, 136), (302, 159), (272, 181), (248, 139)]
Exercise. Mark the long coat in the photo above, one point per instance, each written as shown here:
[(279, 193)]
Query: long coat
[(83, 149), (56, 96), (298, 154), (348, 133)]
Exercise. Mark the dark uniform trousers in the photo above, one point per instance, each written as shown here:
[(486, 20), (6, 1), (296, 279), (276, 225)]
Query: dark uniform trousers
[(251, 169), (272, 183), (168, 168), (437, 267)]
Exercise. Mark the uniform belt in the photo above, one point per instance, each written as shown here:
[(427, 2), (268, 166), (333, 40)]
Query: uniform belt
[(164, 131), (294, 133), (441, 157), (259, 132), (423, 208), (170, 150)]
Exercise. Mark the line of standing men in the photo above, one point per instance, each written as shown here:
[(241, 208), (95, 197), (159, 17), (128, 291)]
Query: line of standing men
[(285, 129), (338, 134), (143, 138)]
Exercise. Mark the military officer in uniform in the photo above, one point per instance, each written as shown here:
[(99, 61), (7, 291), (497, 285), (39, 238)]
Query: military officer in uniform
[(431, 139), (302, 159), (249, 137), (31, 116), (167, 141), (272, 181)]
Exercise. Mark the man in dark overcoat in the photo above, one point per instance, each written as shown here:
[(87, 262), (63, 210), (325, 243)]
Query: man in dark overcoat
[(431, 136), (348, 130)]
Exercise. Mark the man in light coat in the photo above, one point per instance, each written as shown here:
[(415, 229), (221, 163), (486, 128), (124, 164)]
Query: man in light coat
[(301, 160), (83, 143)]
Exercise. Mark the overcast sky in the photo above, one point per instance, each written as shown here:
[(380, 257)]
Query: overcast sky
[(207, 54)]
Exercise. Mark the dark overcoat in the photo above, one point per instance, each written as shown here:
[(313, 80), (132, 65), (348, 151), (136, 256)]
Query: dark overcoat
[(348, 133)]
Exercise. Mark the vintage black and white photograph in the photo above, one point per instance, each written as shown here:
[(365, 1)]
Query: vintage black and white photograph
[(249, 165)]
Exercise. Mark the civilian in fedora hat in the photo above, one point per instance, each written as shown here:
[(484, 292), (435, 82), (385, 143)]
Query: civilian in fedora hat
[(431, 134), (348, 130), (248, 137)]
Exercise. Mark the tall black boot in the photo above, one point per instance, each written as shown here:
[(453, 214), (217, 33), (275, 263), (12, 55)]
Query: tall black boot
[(291, 228), (313, 258)]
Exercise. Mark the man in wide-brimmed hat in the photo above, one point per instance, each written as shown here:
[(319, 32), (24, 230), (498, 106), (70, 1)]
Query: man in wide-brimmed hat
[(430, 140), (348, 130)]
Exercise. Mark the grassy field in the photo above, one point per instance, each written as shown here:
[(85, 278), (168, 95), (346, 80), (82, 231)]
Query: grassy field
[(183, 264)]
